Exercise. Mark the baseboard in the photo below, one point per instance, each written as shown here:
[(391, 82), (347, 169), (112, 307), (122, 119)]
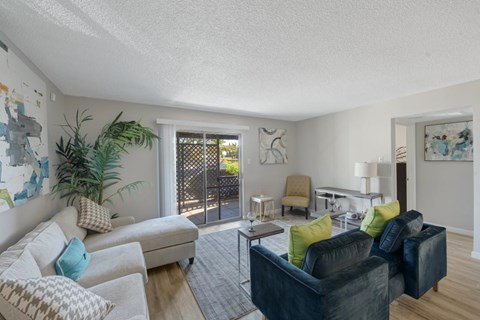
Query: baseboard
[(463, 232), (476, 255), (279, 210)]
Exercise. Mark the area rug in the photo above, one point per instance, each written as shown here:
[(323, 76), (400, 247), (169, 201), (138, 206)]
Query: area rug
[(214, 275)]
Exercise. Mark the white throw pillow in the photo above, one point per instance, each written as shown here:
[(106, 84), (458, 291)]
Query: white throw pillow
[(23, 268), (93, 216), (47, 247), (52, 297)]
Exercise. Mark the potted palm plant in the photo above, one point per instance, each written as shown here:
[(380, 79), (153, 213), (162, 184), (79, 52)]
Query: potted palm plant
[(88, 169)]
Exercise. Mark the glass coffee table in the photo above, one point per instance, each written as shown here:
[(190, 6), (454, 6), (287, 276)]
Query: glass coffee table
[(261, 231), (349, 221)]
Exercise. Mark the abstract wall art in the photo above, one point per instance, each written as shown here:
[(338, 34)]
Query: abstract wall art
[(23, 132), (449, 141), (273, 146)]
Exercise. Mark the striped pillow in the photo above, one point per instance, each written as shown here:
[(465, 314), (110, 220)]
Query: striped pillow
[(52, 297), (93, 216)]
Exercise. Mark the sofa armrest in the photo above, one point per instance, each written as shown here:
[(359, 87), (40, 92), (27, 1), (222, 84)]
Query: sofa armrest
[(280, 290), (424, 260), (122, 221)]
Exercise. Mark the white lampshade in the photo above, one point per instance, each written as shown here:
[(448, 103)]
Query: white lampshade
[(365, 169)]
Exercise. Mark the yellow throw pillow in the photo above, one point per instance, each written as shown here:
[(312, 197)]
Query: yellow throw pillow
[(378, 216), (302, 236)]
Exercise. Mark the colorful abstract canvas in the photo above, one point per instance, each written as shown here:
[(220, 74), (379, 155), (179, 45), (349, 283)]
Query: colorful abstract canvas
[(23, 132), (273, 146), (449, 141)]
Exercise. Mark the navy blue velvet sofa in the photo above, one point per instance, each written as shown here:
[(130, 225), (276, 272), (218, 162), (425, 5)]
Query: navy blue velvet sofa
[(339, 281), (418, 261)]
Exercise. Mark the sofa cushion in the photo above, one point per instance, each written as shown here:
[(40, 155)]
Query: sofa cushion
[(23, 266), (47, 247), (93, 216), (51, 297), (329, 256), (301, 237), (378, 216), (130, 303), (152, 234), (114, 262), (73, 261), (29, 237), (295, 201), (394, 259), (67, 221), (400, 228), (12, 254)]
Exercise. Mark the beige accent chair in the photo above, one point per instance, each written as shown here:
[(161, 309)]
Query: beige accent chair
[(298, 193)]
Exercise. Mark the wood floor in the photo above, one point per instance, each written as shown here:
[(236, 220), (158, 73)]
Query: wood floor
[(170, 297)]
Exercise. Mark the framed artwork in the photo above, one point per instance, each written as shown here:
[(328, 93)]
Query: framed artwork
[(449, 141), (23, 133), (273, 146)]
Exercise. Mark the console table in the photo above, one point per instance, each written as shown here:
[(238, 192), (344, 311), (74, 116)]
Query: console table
[(329, 192)]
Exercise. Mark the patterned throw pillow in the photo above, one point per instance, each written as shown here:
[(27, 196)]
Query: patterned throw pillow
[(93, 216), (52, 297)]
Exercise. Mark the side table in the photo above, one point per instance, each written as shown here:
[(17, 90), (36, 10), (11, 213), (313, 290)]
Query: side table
[(261, 231), (262, 201)]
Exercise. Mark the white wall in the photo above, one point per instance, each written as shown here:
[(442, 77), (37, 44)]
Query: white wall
[(400, 136), (444, 188), (476, 187), (331, 144), (142, 164), (16, 222)]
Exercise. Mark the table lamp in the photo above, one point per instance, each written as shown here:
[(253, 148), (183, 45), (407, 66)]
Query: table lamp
[(365, 171)]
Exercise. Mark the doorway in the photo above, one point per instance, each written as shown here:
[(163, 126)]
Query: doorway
[(208, 176), (401, 165)]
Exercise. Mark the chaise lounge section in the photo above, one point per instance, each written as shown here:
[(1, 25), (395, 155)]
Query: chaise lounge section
[(163, 240)]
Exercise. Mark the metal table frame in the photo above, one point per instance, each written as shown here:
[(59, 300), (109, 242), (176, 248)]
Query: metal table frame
[(261, 231), (329, 192)]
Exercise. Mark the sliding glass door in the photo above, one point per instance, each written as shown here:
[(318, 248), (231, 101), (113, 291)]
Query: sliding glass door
[(208, 183)]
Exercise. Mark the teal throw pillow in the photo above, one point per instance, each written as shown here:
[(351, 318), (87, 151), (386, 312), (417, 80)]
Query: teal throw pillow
[(73, 261)]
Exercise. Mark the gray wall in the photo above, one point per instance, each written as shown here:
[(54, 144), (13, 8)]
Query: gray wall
[(18, 221), (331, 144), (444, 188), (141, 164)]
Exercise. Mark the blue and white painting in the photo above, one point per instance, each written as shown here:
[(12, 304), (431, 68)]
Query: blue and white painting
[(23, 133), (449, 141), (273, 146)]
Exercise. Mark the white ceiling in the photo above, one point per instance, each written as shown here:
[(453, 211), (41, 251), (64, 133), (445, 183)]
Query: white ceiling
[(280, 59)]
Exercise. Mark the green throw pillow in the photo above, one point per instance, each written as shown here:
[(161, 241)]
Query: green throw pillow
[(378, 216), (302, 236)]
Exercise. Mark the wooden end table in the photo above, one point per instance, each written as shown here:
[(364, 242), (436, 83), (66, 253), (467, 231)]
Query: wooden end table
[(261, 231)]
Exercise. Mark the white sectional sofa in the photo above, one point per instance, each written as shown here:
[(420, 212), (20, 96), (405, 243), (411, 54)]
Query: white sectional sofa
[(117, 269)]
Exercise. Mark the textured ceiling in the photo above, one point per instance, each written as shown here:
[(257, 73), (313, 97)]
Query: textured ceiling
[(280, 59)]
